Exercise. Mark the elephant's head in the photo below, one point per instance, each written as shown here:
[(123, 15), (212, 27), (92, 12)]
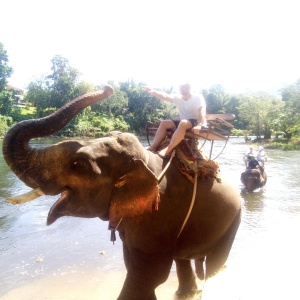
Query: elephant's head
[(254, 178), (106, 177)]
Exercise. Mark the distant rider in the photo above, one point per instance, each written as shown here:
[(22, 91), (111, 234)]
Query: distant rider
[(247, 156), (262, 155), (253, 162)]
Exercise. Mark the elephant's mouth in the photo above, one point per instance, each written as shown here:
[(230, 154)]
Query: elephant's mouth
[(60, 208), (71, 204), (66, 205)]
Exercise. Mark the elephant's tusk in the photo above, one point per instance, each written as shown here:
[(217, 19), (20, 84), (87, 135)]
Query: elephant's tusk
[(26, 197)]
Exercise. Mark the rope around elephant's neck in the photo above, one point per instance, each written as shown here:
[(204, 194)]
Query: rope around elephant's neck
[(161, 175), (192, 202), (113, 230)]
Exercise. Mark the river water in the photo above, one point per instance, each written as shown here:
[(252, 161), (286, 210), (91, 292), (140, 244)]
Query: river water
[(73, 259)]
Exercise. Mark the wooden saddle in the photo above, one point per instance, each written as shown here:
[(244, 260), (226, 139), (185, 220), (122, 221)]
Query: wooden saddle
[(218, 129)]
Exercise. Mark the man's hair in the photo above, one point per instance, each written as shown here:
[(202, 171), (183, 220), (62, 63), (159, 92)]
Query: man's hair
[(185, 83)]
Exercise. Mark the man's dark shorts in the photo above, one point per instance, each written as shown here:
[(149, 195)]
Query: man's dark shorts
[(193, 121)]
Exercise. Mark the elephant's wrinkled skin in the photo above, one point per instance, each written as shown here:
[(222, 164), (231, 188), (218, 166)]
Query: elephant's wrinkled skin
[(114, 177), (254, 178)]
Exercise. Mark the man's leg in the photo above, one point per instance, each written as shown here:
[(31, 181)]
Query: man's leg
[(161, 133), (177, 137)]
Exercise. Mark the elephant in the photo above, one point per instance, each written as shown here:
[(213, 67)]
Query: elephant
[(254, 178), (115, 178)]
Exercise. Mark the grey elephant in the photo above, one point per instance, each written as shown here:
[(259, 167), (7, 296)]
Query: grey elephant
[(116, 179), (254, 179)]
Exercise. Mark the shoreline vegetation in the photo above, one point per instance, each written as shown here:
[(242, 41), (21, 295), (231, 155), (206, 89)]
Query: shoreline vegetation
[(129, 110), (89, 125), (280, 143), (98, 126), (276, 141)]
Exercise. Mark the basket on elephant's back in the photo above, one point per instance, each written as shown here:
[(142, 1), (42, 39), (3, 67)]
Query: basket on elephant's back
[(196, 161)]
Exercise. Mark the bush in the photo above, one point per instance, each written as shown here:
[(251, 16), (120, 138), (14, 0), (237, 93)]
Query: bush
[(5, 124), (93, 125), (23, 113), (284, 144), (240, 132)]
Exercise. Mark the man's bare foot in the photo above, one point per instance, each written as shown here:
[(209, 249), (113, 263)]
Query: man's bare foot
[(151, 150), (164, 153)]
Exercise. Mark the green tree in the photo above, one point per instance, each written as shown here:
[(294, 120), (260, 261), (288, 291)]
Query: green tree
[(289, 120), (232, 108), (142, 107), (219, 101), (6, 96), (53, 91), (82, 87), (116, 105), (62, 82), (5, 123), (5, 70), (38, 94), (260, 110), (6, 102), (216, 100)]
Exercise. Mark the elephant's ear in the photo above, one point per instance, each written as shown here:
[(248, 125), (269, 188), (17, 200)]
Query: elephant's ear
[(134, 193)]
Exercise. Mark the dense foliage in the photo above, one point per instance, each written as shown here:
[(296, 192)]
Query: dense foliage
[(260, 114)]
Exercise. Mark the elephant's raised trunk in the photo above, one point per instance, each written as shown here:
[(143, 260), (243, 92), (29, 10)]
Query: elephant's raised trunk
[(20, 156)]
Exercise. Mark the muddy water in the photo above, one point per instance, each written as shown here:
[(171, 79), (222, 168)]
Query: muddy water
[(73, 259)]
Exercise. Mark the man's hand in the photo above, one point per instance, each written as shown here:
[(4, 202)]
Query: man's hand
[(146, 89), (196, 129)]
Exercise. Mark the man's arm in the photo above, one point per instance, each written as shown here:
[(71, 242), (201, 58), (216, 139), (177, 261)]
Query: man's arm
[(159, 95)]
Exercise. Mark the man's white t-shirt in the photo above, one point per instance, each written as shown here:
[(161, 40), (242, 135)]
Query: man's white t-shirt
[(261, 154), (188, 109)]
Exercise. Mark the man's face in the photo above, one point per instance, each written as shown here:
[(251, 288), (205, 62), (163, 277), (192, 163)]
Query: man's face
[(184, 89)]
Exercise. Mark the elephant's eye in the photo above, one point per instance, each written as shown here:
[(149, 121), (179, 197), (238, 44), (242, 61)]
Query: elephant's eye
[(79, 165)]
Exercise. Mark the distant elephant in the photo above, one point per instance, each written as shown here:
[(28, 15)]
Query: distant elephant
[(254, 178), (116, 179)]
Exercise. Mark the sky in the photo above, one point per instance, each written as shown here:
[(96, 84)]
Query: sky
[(242, 45)]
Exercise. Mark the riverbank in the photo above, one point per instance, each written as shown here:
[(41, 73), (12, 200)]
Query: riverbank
[(280, 144), (283, 144), (275, 143), (233, 283)]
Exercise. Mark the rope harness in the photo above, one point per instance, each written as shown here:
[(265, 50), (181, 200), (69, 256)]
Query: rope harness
[(191, 205), (160, 177)]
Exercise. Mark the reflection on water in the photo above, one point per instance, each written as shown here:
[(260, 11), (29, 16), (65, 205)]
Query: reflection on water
[(76, 250)]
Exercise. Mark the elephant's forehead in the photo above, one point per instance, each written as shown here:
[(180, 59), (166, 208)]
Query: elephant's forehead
[(99, 146)]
